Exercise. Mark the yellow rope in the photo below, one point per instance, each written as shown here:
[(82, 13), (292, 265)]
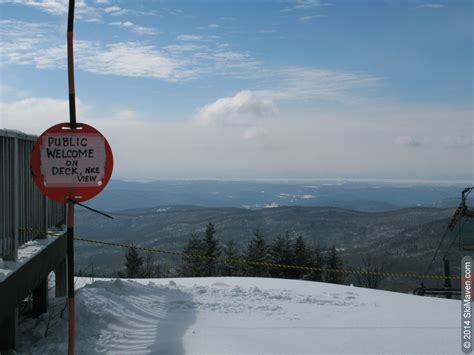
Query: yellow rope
[(241, 261)]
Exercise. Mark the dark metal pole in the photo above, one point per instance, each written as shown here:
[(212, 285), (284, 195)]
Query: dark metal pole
[(70, 278), (70, 210), (70, 65), (447, 280)]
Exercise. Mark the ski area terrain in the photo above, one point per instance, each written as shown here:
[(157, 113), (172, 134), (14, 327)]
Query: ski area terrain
[(237, 315)]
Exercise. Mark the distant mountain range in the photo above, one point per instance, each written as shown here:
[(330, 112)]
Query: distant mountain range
[(373, 196), (400, 223), (404, 239)]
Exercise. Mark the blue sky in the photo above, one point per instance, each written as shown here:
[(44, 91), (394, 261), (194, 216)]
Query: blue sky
[(252, 89)]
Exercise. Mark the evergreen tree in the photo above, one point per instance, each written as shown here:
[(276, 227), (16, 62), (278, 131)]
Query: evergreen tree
[(231, 251), (212, 251), (316, 261), (334, 262), (134, 264), (257, 251), (193, 266), (281, 253), (301, 257)]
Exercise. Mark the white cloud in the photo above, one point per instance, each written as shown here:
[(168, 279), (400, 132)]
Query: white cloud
[(253, 133), (34, 115), (122, 24), (430, 6), (457, 141), (302, 5), (305, 18), (184, 47), (83, 10), (358, 142), (41, 46), (136, 59), (213, 25), (310, 83), (267, 31), (8, 92), (123, 59), (136, 28), (130, 59), (21, 40), (145, 30), (112, 9), (407, 141), (189, 38), (296, 84), (54, 7), (236, 109), (115, 10), (307, 4), (246, 113), (86, 12)]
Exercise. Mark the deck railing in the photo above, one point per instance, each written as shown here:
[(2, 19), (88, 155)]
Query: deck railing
[(25, 213)]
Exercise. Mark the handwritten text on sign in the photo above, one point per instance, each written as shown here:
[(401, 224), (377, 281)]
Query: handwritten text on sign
[(72, 160)]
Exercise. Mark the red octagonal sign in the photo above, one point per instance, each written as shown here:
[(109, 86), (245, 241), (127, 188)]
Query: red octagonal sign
[(71, 163)]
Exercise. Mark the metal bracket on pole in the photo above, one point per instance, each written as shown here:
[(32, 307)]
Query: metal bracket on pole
[(90, 208)]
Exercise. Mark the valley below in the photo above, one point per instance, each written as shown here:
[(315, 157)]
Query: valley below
[(402, 240)]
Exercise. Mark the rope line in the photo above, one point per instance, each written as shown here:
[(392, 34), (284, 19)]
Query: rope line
[(241, 261)]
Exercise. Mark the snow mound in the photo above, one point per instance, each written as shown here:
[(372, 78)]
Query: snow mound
[(244, 316)]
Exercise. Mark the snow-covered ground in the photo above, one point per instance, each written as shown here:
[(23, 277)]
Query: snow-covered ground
[(245, 316)]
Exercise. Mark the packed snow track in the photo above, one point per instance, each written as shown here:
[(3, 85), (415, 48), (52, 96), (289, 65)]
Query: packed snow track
[(244, 316)]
